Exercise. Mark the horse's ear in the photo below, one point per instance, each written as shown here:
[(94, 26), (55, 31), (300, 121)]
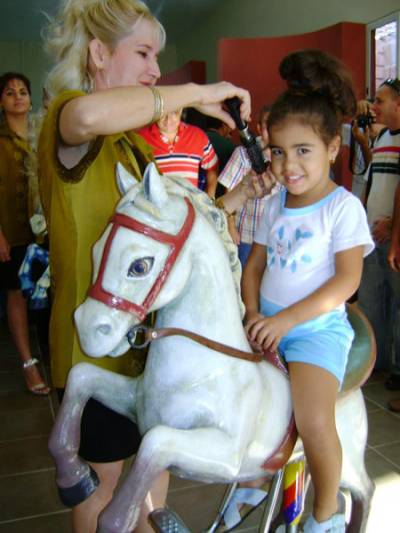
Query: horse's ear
[(125, 180), (154, 188)]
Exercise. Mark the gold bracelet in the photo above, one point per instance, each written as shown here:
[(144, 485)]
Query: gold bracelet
[(219, 202), (158, 105)]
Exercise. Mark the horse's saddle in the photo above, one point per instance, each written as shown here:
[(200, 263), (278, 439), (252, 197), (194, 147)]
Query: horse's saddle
[(362, 355)]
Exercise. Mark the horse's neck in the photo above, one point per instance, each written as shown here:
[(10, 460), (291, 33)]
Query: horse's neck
[(208, 305)]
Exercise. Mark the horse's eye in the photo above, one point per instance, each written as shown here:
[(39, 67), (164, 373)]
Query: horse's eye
[(140, 267)]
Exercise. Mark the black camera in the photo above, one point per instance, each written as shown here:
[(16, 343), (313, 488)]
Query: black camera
[(365, 120)]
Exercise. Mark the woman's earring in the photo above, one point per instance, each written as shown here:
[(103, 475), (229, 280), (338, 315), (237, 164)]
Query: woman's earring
[(332, 161)]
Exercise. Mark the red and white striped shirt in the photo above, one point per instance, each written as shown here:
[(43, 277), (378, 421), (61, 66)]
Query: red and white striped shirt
[(190, 151)]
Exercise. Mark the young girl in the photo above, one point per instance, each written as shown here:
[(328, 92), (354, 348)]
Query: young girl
[(306, 261)]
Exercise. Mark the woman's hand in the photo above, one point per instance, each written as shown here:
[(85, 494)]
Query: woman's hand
[(4, 248), (266, 332), (213, 97)]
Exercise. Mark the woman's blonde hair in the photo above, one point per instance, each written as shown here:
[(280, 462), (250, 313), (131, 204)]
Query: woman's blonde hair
[(68, 34)]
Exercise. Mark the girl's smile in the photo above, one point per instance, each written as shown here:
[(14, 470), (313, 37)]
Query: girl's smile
[(301, 161)]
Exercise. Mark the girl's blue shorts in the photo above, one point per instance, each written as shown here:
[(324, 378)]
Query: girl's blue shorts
[(324, 341)]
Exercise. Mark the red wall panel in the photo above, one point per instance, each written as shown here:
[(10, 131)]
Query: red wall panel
[(253, 64), (194, 71)]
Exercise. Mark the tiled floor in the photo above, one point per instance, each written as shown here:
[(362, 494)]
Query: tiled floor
[(28, 497)]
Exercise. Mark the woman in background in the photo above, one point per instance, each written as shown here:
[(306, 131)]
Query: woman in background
[(15, 230)]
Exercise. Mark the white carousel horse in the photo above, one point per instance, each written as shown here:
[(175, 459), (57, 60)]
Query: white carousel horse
[(203, 415)]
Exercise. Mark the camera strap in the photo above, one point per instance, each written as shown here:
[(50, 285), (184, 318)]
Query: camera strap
[(370, 173)]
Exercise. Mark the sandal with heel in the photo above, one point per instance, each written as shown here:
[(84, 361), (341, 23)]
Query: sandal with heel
[(40, 389)]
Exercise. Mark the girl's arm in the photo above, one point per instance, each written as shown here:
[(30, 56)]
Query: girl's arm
[(125, 108), (251, 279), (268, 331)]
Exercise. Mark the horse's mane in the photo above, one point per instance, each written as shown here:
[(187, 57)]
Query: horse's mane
[(215, 216)]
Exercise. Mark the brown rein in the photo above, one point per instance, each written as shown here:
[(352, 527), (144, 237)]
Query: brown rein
[(151, 334)]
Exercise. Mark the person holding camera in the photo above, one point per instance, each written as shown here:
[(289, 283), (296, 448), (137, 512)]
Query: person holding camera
[(379, 292), (360, 136)]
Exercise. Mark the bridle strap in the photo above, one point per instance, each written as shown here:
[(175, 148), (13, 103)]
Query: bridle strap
[(153, 334), (159, 333), (176, 243)]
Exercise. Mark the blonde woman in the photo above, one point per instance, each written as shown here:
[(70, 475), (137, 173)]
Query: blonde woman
[(15, 231), (101, 89)]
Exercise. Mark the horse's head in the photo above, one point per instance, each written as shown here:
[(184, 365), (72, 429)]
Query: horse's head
[(138, 264)]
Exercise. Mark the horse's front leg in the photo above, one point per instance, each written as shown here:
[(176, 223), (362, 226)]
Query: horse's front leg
[(75, 479), (199, 451)]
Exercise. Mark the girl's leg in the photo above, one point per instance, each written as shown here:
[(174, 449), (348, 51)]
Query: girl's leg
[(18, 322), (314, 392)]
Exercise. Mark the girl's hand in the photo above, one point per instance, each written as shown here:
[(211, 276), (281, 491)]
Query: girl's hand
[(251, 317), (267, 332), (4, 248), (258, 185), (213, 97)]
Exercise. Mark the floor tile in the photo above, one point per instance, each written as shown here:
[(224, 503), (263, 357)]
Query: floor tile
[(28, 495), (377, 376), (9, 363), (382, 517), (384, 428), (390, 452), (197, 506), (177, 483), (25, 455), (18, 424), (12, 381), (372, 406), (377, 393), (21, 400), (49, 523)]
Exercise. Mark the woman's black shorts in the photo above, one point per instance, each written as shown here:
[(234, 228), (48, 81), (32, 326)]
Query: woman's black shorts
[(106, 436)]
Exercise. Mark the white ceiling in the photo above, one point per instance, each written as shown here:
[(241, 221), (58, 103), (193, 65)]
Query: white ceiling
[(23, 19)]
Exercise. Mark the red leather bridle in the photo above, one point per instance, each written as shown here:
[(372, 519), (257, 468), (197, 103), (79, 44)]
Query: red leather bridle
[(176, 243)]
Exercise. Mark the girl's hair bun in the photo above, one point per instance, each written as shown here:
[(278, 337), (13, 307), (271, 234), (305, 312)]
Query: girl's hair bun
[(312, 71)]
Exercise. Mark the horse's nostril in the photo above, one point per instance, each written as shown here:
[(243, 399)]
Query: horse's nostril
[(104, 329)]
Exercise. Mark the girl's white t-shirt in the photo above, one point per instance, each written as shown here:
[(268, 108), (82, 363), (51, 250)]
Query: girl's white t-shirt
[(301, 243)]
